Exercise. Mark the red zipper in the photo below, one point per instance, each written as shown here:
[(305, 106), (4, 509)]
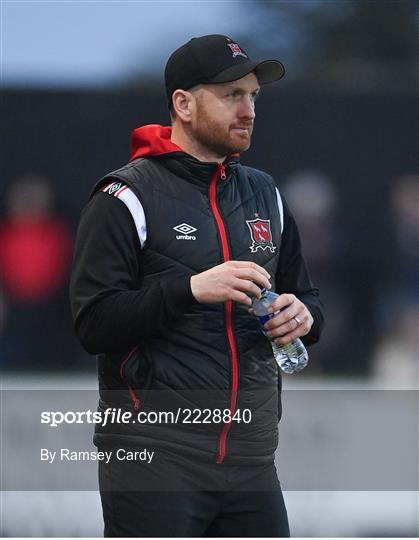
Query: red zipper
[(222, 442), (135, 401)]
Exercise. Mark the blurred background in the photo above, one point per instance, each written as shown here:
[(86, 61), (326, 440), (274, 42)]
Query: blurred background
[(339, 133)]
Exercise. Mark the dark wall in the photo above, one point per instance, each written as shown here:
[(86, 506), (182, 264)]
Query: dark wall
[(362, 142), (76, 137)]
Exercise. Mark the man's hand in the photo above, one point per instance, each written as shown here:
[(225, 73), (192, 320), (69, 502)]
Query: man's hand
[(292, 322), (232, 280)]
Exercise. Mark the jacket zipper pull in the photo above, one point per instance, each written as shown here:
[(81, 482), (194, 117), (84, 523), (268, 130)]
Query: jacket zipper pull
[(136, 402), (222, 172)]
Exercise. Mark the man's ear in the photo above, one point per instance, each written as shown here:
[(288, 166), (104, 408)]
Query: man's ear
[(183, 103)]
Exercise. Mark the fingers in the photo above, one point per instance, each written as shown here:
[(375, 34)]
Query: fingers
[(246, 279), (250, 288), (283, 301), (280, 329), (284, 328), (290, 330), (300, 331), (288, 307), (241, 298), (250, 265), (232, 280), (253, 275)]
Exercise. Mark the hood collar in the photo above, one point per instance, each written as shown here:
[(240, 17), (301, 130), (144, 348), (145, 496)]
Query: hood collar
[(153, 140)]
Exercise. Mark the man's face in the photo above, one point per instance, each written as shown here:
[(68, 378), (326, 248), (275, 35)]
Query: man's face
[(224, 115)]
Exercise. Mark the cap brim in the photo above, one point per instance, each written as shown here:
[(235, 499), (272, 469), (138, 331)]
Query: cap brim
[(266, 71)]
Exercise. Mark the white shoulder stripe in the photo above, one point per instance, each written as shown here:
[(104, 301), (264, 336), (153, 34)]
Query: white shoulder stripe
[(127, 196), (280, 208), (120, 190)]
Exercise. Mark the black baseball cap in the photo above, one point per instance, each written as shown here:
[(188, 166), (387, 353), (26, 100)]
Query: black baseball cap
[(215, 59)]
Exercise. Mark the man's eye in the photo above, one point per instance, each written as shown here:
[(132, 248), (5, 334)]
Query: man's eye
[(235, 94)]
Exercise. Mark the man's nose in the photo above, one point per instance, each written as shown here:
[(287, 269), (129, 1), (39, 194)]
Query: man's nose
[(247, 109)]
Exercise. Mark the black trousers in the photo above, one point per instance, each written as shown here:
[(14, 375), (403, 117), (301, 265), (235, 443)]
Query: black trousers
[(176, 497)]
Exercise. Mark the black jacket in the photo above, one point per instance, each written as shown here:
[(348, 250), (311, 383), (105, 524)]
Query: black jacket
[(158, 348)]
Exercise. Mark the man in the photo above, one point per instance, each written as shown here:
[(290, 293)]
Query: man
[(170, 250)]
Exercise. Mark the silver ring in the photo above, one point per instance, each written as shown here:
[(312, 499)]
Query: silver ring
[(297, 320)]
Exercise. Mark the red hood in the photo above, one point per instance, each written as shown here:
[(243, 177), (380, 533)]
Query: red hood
[(152, 140)]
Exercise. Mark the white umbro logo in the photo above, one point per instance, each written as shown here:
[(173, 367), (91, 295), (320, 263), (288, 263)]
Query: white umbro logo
[(186, 231), (185, 228)]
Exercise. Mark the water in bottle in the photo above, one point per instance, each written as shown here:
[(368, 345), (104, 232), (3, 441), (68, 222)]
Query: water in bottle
[(292, 357)]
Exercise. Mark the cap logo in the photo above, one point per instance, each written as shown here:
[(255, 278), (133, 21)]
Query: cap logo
[(235, 49)]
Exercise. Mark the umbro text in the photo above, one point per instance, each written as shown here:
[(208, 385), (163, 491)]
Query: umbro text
[(185, 237)]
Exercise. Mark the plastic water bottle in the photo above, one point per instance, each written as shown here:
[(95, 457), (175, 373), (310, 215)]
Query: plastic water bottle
[(292, 357)]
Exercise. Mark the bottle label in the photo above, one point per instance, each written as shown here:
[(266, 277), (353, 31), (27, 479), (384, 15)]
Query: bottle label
[(265, 318)]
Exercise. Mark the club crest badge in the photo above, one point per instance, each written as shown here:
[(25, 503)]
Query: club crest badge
[(114, 187), (235, 49), (260, 233)]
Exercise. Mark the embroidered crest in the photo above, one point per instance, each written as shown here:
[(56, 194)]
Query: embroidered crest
[(260, 232), (235, 49)]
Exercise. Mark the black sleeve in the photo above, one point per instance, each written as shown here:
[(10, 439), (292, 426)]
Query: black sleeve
[(111, 311), (293, 277)]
